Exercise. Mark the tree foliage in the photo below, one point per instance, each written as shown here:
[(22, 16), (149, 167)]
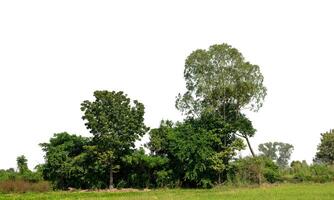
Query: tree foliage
[(116, 123), (22, 164), (277, 151), (220, 76), (64, 163), (325, 153), (219, 80)]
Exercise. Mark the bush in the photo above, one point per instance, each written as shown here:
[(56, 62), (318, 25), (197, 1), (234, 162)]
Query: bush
[(302, 172), (164, 178), (255, 170), (20, 186), (322, 173), (205, 183), (121, 184)]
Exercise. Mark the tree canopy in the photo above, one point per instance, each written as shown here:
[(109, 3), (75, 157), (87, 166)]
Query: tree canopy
[(277, 151), (218, 77), (325, 153), (116, 123), (219, 80)]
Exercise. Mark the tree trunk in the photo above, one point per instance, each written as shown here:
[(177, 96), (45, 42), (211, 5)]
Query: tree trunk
[(249, 145), (111, 178), (219, 179)]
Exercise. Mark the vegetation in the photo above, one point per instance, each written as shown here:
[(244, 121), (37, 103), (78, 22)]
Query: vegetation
[(198, 152), (220, 82), (23, 180), (277, 151), (286, 192), (325, 152)]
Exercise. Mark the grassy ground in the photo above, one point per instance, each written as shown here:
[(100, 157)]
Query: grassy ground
[(286, 191)]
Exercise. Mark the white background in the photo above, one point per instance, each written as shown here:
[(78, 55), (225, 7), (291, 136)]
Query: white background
[(54, 54)]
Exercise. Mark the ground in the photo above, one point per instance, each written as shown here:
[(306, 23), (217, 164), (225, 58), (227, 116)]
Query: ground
[(270, 192)]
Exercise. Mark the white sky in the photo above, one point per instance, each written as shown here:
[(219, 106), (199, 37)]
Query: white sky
[(54, 54)]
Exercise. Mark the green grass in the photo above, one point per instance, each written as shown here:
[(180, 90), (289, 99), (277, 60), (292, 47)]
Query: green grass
[(285, 191)]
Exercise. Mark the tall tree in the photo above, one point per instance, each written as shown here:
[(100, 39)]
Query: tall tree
[(219, 78), (116, 123), (325, 153), (277, 151), (284, 154), (269, 149)]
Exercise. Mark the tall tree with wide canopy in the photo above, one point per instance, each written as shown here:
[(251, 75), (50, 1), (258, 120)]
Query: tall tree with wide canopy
[(116, 123), (219, 79)]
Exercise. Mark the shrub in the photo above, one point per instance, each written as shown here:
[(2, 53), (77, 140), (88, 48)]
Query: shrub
[(255, 170), (322, 173), (121, 184), (164, 178), (205, 183), (20, 186)]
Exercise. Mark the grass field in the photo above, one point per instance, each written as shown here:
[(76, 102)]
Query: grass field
[(285, 191)]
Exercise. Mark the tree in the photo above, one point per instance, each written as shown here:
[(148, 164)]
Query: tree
[(269, 150), (218, 158), (158, 143), (22, 164), (219, 78), (116, 123), (198, 149), (284, 151), (142, 169), (277, 151), (325, 153), (191, 148), (65, 162)]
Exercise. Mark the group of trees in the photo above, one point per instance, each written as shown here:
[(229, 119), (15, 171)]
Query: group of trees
[(195, 152), (277, 151), (199, 151)]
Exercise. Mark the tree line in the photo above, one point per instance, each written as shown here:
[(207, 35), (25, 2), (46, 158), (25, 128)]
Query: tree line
[(199, 151)]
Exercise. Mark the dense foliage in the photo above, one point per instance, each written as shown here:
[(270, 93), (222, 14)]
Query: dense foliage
[(200, 151), (325, 152)]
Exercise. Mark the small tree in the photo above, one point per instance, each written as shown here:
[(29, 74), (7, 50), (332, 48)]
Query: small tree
[(22, 164), (325, 152)]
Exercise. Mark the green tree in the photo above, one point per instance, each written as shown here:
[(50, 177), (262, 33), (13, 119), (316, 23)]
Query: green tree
[(116, 123), (219, 78), (191, 148), (325, 153), (218, 163), (198, 149), (158, 143), (22, 164), (65, 162), (142, 169), (284, 154)]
